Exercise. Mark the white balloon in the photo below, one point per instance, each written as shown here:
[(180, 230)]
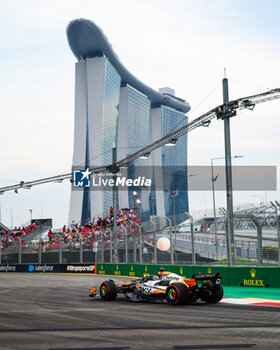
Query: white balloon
[(163, 244)]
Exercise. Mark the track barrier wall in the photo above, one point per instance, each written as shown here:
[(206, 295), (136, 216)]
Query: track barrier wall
[(255, 277)]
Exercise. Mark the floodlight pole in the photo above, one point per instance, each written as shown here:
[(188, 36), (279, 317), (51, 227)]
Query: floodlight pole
[(189, 216), (171, 240), (226, 216), (155, 239), (115, 206), (140, 243), (226, 118)]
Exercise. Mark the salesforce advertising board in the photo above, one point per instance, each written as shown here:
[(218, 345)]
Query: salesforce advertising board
[(49, 268)]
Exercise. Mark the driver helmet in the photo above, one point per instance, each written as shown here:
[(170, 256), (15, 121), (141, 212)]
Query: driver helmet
[(160, 272)]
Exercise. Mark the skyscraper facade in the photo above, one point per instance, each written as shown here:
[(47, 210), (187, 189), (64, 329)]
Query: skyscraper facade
[(134, 132), (111, 105), (170, 165)]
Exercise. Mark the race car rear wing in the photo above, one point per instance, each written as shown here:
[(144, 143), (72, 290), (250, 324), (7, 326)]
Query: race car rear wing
[(207, 276)]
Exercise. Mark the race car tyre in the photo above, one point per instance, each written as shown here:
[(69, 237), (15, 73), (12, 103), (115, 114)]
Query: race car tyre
[(108, 290), (177, 294), (215, 297)]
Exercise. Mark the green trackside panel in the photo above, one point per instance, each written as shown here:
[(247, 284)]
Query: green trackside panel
[(274, 277), (255, 277), (105, 269), (116, 269), (139, 270), (130, 270)]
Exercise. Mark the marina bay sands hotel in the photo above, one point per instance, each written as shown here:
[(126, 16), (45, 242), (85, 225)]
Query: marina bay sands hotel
[(113, 106)]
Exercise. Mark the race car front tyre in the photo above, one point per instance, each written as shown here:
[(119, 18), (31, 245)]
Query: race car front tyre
[(108, 290), (216, 295), (177, 294)]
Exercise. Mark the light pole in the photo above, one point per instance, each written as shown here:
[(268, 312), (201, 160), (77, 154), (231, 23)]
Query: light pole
[(213, 192), (135, 193), (171, 240), (138, 202), (214, 205), (30, 211), (155, 243), (115, 194), (153, 205), (192, 237)]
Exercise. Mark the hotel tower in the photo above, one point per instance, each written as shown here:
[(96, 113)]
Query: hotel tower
[(112, 105)]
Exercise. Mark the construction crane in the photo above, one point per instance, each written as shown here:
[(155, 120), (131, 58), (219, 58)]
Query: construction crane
[(223, 111)]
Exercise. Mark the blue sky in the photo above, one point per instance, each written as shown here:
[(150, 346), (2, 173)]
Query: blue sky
[(182, 44)]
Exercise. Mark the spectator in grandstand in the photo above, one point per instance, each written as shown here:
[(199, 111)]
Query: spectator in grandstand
[(9, 237), (97, 230), (50, 235)]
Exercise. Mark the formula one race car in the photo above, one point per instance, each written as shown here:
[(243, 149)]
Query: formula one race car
[(166, 287)]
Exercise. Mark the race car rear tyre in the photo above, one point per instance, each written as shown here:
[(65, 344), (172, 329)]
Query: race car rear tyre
[(108, 290), (177, 294), (216, 295)]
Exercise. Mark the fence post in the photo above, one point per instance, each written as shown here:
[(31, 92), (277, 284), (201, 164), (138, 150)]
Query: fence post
[(81, 248), (171, 240), (155, 243), (60, 250), (228, 244), (259, 239), (125, 247), (19, 253), (277, 207), (278, 231), (102, 249), (140, 243), (40, 250), (192, 238), (260, 250), (111, 246), (134, 250)]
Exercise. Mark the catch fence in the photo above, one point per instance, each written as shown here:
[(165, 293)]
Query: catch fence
[(255, 245)]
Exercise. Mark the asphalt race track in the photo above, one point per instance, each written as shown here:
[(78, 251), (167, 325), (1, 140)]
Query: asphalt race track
[(53, 311)]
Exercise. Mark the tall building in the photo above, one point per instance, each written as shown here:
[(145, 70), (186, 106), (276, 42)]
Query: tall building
[(170, 166), (111, 105), (134, 132)]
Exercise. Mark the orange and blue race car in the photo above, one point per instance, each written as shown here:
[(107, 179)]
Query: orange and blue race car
[(166, 287)]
